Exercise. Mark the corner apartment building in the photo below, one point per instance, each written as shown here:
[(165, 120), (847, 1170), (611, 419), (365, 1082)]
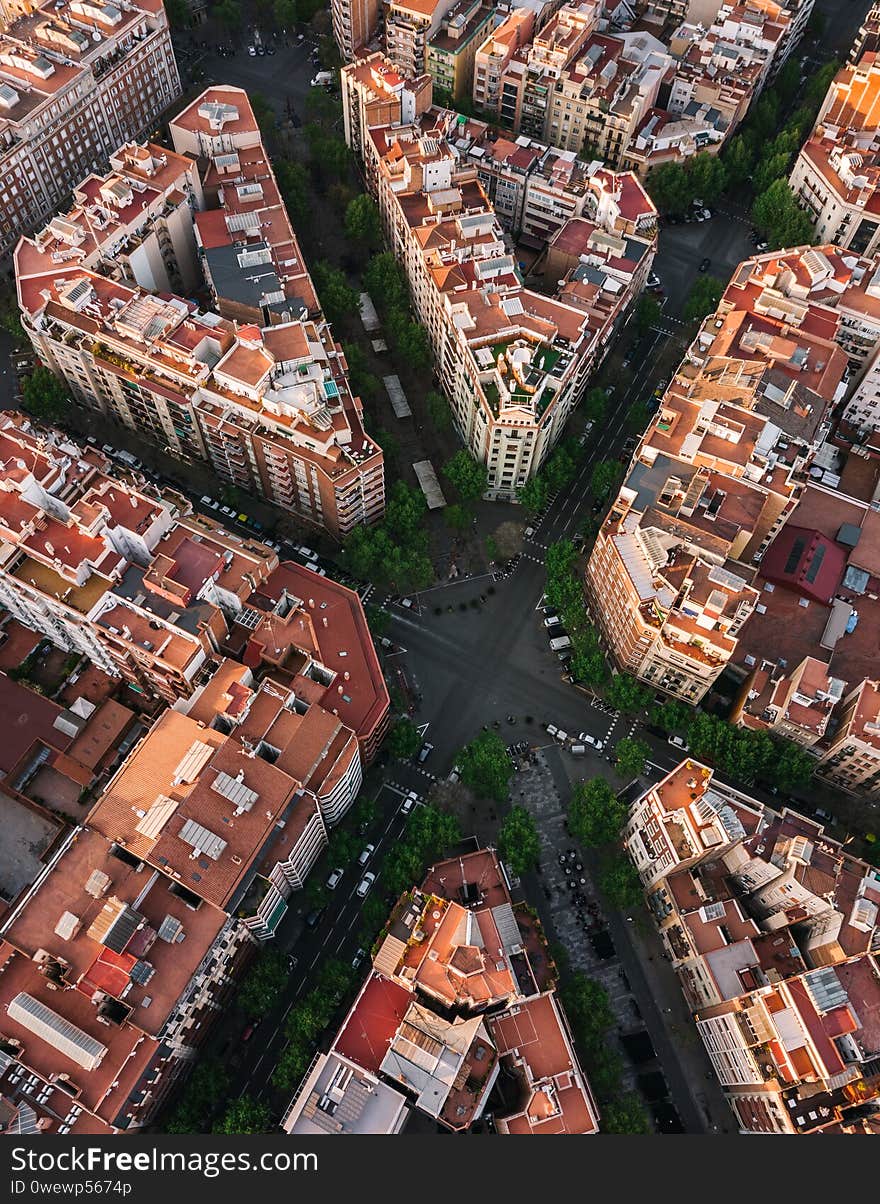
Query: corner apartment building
[(451, 1000), (259, 389), (836, 176), (514, 363), (772, 929), (850, 759), (355, 23), (734, 438), (77, 81), (452, 50)]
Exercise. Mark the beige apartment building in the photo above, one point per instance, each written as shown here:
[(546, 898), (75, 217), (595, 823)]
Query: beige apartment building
[(259, 389), (771, 927), (77, 81), (851, 759), (493, 57), (355, 22), (409, 27), (835, 176)]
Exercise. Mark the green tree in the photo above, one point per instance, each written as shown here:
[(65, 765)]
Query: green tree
[(533, 495), (669, 188), (561, 468), (365, 812), (405, 510), (264, 114), (438, 410), (637, 417), (627, 694), (631, 756), (595, 404), (293, 183), (672, 716), (626, 1114), (44, 395), (338, 298), (374, 914), (285, 13), (604, 477), (363, 382), (457, 517), (178, 13), (491, 548), (330, 157), (362, 222), (404, 740), (466, 475), (706, 177), (228, 14), (647, 313), (244, 1115), (595, 814), (777, 213), (207, 1085), (385, 281), (770, 168), (264, 982), (378, 620), (486, 767), (792, 767), (703, 298), (619, 883), (518, 841), (739, 161), (588, 1009)]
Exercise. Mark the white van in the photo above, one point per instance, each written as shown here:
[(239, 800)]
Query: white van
[(578, 750), (561, 641)]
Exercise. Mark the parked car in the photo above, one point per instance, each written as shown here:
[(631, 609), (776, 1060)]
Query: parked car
[(366, 853), (593, 741), (560, 736), (653, 280), (252, 51), (364, 885), (761, 246), (247, 1032), (334, 879), (679, 742), (551, 620), (705, 264), (552, 730), (425, 751), (357, 959), (408, 803), (314, 917)]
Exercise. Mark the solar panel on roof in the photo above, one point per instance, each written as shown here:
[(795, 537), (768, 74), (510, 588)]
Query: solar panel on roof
[(235, 790), (121, 930), (193, 763), (200, 838), (61, 1034), (141, 973)]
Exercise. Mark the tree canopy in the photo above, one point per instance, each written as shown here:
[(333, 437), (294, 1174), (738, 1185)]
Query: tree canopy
[(244, 1115), (631, 756), (518, 841), (362, 222), (466, 475), (703, 298), (45, 396), (404, 740), (595, 814), (486, 767), (778, 215)]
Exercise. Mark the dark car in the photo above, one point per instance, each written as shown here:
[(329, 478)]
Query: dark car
[(705, 264), (425, 752), (314, 917)]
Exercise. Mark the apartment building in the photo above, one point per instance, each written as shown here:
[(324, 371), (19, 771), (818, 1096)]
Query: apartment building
[(452, 50), (409, 27), (858, 423), (850, 758), (734, 438), (77, 81), (355, 23), (451, 1000), (796, 705), (600, 100), (527, 76), (493, 57), (157, 597), (514, 362), (772, 929), (258, 389), (868, 38), (836, 176)]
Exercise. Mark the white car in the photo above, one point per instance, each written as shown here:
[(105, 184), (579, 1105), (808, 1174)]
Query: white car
[(364, 885), (334, 879), (252, 51), (561, 736), (552, 730), (653, 280), (679, 742), (366, 853), (409, 802), (551, 621), (594, 741)]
